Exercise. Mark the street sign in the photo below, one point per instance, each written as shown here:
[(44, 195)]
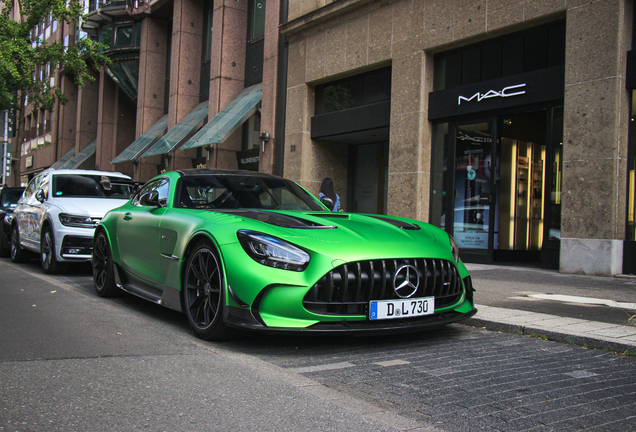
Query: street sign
[(5, 166)]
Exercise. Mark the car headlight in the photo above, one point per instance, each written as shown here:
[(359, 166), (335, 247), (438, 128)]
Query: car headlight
[(78, 221), (273, 252), (454, 248)]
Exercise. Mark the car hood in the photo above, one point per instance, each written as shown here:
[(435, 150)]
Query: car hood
[(94, 207), (349, 235)]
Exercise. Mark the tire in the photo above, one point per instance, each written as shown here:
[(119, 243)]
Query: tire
[(5, 246), (203, 294), (48, 259), (18, 255), (104, 268)]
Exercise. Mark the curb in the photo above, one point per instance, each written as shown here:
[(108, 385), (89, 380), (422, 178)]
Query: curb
[(587, 341)]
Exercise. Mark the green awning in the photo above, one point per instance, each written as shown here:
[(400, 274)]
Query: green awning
[(228, 119), (175, 136), (81, 157), (61, 161), (141, 144)]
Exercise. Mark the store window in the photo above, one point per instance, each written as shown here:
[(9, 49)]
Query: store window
[(353, 92), (539, 48)]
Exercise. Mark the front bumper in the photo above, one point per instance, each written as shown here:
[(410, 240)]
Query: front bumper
[(238, 318)]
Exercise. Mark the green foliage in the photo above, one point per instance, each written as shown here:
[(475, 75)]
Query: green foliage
[(21, 54)]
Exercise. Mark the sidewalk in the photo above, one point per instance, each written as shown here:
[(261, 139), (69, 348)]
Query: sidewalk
[(588, 311)]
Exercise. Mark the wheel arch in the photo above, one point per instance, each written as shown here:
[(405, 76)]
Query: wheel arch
[(194, 240), (114, 251)]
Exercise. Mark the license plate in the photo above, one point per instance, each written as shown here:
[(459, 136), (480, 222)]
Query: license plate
[(406, 308)]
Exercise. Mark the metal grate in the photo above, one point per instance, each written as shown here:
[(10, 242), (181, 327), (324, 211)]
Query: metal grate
[(347, 289)]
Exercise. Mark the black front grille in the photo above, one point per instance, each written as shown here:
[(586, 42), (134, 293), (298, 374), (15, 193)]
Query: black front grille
[(347, 289)]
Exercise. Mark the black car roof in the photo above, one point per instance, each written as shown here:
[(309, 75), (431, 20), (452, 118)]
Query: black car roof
[(199, 171)]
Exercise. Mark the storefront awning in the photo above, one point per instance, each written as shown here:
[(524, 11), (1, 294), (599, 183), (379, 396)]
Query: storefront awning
[(141, 144), (228, 119), (61, 161), (81, 157), (175, 136)]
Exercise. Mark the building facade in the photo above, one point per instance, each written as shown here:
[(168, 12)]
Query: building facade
[(505, 122), (191, 83)]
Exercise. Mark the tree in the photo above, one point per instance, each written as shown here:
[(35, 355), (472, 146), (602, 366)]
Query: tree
[(23, 52)]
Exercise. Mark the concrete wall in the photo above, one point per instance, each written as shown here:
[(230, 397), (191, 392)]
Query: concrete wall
[(329, 40)]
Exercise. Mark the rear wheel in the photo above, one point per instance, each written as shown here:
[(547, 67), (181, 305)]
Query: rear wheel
[(103, 267), (5, 246), (18, 255), (203, 293), (48, 259)]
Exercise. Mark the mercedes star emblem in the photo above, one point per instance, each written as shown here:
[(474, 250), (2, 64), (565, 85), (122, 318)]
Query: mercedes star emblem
[(410, 281)]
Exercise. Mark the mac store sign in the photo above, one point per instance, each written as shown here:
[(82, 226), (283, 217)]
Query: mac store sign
[(529, 88)]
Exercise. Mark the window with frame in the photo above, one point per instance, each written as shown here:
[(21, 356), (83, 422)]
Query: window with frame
[(160, 186), (257, 20)]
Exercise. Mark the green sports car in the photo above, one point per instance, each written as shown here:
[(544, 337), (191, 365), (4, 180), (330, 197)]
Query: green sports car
[(246, 250)]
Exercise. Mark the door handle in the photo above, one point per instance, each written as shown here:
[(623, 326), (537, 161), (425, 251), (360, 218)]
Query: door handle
[(128, 216)]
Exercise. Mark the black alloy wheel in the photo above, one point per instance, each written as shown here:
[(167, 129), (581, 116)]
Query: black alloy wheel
[(18, 255), (203, 294), (5, 246), (103, 268), (48, 260)]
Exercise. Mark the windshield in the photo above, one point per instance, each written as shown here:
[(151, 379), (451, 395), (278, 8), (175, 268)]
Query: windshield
[(11, 197), (236, 191), (88, 186)]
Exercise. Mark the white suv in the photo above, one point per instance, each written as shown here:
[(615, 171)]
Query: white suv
[(58, 212)]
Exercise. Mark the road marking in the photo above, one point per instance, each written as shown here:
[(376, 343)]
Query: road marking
[(584, 300), (320, 368), (393, 363)]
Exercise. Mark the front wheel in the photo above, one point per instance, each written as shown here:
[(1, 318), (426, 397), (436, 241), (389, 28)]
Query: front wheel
[(48, 259), (103, 267), (203, 293), (18, 255)]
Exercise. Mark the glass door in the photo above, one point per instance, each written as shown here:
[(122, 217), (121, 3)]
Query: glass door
[(473, 197)]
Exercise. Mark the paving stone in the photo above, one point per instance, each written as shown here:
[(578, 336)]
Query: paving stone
[(464, 378)]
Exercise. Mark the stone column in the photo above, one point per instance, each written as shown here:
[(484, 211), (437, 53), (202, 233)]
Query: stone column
[(407, 161), (67, 120), (227, 70), (270, 83), (185, 68), (152, 79), (596, 114), (86, 124), (106, 121)]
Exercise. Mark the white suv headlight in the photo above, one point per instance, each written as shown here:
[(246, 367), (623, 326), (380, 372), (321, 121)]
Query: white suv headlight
[(77, 221)]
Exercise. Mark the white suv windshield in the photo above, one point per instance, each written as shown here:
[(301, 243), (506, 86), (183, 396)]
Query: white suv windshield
[(88, 186)]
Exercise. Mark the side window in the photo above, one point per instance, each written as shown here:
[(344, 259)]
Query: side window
[(44, 186), (161, 186), (30, 190)]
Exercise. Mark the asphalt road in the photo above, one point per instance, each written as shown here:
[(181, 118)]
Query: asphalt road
[(71, 361)]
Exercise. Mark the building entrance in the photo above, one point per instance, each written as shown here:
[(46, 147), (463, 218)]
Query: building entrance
[(504, 187)]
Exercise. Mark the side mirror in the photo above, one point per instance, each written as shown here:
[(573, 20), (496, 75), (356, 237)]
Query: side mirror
[(105, 182), (149, 199), (328, 202), (39, 195)]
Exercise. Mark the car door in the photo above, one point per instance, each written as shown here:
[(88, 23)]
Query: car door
[(38, 209), (24, 214), (139, 235)]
